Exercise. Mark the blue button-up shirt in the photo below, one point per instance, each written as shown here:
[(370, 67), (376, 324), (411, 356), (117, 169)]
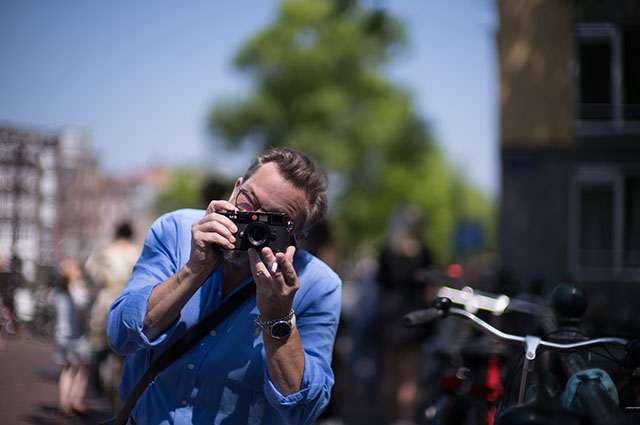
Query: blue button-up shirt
[(224, 379)]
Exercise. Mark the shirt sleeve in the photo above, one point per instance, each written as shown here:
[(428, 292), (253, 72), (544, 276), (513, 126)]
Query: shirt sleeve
[(160, 259), (317, 316)]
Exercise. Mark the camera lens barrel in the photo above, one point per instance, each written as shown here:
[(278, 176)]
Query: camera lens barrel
[(258, 234), (261, 229)]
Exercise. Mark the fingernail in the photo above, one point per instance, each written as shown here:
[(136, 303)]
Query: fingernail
[(274, 267)]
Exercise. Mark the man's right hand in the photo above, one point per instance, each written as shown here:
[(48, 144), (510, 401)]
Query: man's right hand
[(209, 234)]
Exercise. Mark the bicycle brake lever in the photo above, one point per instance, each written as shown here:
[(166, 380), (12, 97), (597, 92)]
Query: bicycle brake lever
[(423, 317)]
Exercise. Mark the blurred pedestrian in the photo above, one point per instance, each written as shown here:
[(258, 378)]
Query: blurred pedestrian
[(214, 187), (109, 270), (11, 281), (403, 264), (72, 350)]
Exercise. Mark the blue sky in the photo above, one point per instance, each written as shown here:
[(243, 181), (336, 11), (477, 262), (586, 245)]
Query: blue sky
[(140, 76)]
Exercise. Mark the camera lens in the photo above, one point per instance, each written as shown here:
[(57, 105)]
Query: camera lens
[(258, 234)]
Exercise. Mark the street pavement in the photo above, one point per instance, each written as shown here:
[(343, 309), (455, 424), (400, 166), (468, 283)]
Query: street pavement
[(29, 392), (28, 386)]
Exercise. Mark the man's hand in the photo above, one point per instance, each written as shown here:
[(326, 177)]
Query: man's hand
[(274, 290), (274, 297), (210, 233)]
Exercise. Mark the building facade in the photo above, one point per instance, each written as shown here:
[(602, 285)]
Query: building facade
[(570, 148), (54, 201)]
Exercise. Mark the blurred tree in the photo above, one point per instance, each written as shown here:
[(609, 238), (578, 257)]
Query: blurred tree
[(318, 86), (183, 190)]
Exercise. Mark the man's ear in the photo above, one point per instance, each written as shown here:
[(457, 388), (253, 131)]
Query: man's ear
[(238, 183), (235, 188)]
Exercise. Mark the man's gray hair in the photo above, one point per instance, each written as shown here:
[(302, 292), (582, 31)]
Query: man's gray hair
[(305, 174)]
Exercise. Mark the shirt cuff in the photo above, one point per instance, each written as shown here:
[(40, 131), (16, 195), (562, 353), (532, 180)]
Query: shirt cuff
[(133, 317), (275, 398)]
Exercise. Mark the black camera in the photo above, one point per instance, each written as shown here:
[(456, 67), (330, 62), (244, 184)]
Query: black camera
[(260, 229)]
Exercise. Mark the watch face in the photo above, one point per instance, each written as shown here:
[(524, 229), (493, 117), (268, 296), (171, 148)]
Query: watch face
[(281, 329)]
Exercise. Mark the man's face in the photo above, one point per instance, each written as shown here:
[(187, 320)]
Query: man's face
[(267, 191)]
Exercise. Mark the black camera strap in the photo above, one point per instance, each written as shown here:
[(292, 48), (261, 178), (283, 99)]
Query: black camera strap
[(181, 346)]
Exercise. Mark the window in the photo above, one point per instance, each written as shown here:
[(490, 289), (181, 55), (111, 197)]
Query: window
[(595, 80), (631, 73), (607, 77), (596, 230), (604, 224), (632, 222)]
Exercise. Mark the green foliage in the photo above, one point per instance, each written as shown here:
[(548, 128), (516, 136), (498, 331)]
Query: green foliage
[(318, 86), (183, 190)]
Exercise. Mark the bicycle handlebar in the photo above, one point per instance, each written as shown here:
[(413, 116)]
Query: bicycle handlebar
[(442, 309), (591, 394), (487, 328)]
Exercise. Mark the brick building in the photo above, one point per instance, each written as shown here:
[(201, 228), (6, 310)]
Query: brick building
[(570, 148)]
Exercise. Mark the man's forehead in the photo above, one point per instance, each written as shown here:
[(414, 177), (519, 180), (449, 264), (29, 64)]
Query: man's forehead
[(274, 192)]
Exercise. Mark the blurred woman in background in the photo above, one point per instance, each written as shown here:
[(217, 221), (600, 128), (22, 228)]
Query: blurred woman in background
[(72, 349)]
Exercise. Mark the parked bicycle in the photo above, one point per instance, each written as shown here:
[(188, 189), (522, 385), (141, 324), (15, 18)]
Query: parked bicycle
[(558, 380)]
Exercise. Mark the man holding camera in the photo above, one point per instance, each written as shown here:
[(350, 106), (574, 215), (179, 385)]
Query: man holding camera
[(268, 362)]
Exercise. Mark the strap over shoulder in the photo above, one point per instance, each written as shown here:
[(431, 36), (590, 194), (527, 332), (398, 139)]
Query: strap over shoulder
[(181, 346)]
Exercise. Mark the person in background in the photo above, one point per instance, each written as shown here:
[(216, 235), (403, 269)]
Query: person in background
[(403, 264), (268, 362), (11, 281), (214, 187), (6, 323), (72, 351), (109, 270)]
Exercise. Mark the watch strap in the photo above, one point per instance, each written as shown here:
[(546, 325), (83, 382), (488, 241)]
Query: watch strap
[(263, 324)]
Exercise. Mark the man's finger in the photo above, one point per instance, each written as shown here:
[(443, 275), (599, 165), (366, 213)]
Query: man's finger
[(258, 267), (225, 228), (290, 252), (270, 260), (217, 206), (286, 267), (253, 259)]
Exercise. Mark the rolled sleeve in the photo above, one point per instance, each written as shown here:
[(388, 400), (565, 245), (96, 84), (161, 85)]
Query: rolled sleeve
[(161, 257), (308, 403), (317, 324), (125, 330)]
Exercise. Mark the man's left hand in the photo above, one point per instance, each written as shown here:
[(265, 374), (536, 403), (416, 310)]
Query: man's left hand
[(274, 290)]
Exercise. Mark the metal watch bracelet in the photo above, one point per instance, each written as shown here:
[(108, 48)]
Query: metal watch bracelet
[(265, 324)]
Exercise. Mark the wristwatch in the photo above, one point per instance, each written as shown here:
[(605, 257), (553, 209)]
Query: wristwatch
[(278, 328)]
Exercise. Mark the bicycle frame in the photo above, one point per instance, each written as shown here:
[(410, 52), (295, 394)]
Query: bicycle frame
[(532, 343)]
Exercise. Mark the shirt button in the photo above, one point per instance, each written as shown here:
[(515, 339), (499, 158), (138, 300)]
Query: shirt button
[(184, 402), (191, 366), (212, 333), (219, 293)]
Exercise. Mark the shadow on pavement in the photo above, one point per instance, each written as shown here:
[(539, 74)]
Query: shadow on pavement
[(47, 414)]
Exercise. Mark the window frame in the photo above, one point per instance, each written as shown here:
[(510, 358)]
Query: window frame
[(611, 32), (585, 176)]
